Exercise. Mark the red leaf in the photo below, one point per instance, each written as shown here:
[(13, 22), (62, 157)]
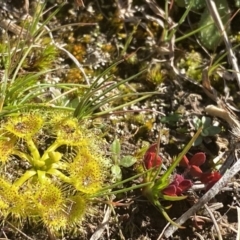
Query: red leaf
[(198, 159), (184, 162), (185, 185), (151, 160), (208, 178), (178, 186), (170, 190), (152, 148), (195, 171), (178, 179)]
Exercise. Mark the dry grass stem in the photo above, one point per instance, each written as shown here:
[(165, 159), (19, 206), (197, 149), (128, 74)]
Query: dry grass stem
[(231, 56)]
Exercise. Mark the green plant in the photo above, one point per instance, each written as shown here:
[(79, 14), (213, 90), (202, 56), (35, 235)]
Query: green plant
[(119, 161), (65, 167), (192, 63), (102, 94), (154, 190), (171, 119), (196, 4), (208, 34), (208, 128), (59, 165), (35, 54)]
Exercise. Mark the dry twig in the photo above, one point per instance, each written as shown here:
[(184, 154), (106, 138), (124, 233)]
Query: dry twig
[(231, 56), (214, 222)]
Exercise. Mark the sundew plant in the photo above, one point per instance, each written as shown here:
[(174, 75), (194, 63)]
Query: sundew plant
[(50, 167), (53, 166)]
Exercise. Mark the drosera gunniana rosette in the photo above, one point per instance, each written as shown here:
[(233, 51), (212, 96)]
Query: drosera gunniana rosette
[(65, 166)]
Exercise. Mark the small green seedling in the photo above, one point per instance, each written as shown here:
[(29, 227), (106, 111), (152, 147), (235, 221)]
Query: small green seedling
[(119, 161), (209, 129)]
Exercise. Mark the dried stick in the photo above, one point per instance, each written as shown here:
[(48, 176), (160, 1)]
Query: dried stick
[(231, 56), (214, 222), (229, 174), (9, 25), (224, 114)]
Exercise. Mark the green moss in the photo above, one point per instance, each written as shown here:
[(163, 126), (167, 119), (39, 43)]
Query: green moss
[(42, 57), (155, 74), (192, 63)]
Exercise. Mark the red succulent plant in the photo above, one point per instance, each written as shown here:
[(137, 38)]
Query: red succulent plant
[(193, 164), (210, 178), (156, 187), (151, 159), (178, 186)]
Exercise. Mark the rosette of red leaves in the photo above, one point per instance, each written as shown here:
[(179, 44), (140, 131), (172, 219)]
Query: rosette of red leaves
[(193, 167), (155, 182), (178, 186)]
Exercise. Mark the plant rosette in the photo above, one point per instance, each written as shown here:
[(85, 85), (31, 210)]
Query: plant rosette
[(64, 167), (160, 187), (193, 168)]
